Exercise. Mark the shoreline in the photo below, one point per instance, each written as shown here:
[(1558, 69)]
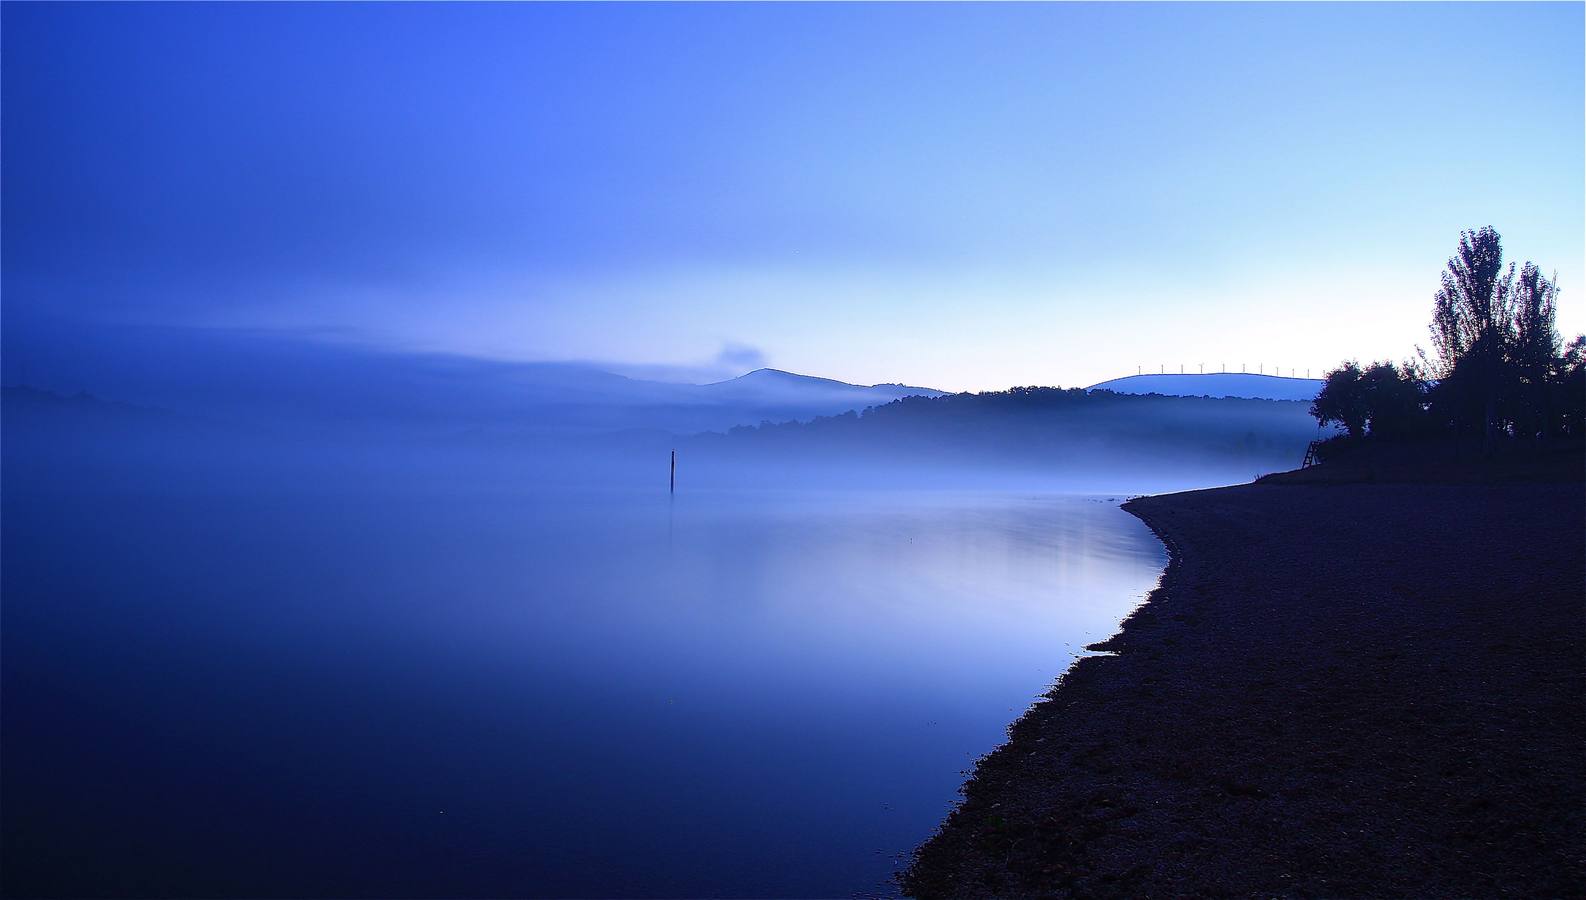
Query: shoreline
[(1336, 689)]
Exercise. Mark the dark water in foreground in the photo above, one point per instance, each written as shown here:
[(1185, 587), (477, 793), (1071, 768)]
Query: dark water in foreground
[(470, 692)]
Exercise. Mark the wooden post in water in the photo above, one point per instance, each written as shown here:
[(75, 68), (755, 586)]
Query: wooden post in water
[(671, 485)]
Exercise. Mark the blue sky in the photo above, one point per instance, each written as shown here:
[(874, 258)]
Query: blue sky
[(962, 196)]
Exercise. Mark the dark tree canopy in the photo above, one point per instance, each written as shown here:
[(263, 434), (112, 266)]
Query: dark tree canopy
[(1381, 399), (1395, 401), (1470, 310), (1534, 349), (1342, 400), (1498, 365)]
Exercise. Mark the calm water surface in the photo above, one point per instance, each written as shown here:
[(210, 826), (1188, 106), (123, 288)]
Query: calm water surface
[(472, 692)]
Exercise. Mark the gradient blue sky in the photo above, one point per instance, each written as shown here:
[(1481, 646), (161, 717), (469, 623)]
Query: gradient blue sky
[(962, 196)]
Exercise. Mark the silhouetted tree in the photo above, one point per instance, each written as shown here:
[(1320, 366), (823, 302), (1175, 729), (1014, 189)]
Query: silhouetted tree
[(1568, 388), (1394, 400), (1533, 352), (1496, 365), (1471, 326), (1342, 399)]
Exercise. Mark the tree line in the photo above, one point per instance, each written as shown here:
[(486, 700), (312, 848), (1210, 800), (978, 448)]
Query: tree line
[(1497, 368)]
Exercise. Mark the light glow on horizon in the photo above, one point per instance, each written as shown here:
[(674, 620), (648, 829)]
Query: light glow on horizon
[(965, 197)]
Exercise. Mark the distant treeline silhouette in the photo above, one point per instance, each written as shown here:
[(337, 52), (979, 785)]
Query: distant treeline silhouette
[(1498, 368), (1042, 426)]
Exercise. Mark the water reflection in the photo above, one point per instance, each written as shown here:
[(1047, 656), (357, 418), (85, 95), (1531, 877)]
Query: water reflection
[(750, 694)]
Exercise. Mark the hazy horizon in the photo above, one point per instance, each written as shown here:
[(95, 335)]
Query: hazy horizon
[(964, 197), (387, 513)]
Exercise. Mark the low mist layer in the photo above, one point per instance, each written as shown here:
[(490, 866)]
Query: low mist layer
[(1035, 437)]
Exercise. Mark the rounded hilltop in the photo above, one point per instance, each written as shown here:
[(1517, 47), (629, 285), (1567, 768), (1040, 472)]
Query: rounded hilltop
[(1216, 384)]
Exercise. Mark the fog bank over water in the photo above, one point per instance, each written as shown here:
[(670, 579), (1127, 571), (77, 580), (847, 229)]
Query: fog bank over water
[(208, 402), (461, 665), (429, 626), (1049, 438), (1041, 439)]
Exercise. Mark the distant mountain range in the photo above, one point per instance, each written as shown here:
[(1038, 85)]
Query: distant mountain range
[(300, 410), (1217, 384), (241, 377), (281, 380), (775, 387), (762, 395)]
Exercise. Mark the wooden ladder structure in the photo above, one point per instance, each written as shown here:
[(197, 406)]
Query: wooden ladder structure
[(1310, 455)]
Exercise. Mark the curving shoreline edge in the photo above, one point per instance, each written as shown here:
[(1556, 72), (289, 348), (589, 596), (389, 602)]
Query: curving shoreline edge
[(1334, 689)]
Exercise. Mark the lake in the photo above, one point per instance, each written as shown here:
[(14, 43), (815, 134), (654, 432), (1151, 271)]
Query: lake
[(434, 690)]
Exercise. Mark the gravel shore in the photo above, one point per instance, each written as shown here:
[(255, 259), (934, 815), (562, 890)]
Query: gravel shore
[(1338, 690)]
